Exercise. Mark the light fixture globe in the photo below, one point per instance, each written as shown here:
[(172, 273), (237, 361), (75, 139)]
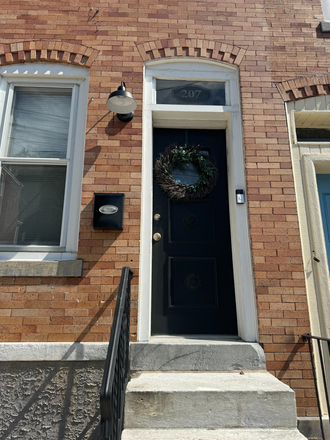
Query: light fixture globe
[(122, 103)]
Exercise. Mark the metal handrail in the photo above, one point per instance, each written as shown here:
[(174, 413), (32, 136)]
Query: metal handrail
[(116, 371), (324, 353)]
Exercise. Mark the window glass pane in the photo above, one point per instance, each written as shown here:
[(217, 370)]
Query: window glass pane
[(190, 92), (31, 204), (40, 122), (313, 134), (189, 176)]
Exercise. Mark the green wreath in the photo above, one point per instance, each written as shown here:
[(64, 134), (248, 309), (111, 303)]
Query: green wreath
[(179, 158)]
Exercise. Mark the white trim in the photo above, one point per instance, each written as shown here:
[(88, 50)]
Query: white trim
[(7, 117), (193, 108), (51, 70), (144, 307), (52, 351), (33, 161), (326, 9), (308, 159), (318, 164), (312, 164), (51, 75), (37, 254), (3, 98), (228, 117)]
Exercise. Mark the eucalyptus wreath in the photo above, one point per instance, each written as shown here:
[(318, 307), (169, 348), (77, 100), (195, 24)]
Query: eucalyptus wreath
[(179, 157)]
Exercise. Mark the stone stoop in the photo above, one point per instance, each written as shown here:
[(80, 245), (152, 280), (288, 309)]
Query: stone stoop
[(206, 389), (196, 354)]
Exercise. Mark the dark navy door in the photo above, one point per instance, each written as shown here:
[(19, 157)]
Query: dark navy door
[(192, 274)]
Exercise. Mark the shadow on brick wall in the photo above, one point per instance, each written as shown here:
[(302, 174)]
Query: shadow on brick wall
[(53, 400)]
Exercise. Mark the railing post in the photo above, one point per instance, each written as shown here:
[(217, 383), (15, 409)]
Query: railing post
[(309, 338)]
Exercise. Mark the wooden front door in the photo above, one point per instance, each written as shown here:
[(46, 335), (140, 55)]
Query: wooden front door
[(192, 274)]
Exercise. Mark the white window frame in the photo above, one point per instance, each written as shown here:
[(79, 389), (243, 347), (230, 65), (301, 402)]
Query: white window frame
[(61, 76)]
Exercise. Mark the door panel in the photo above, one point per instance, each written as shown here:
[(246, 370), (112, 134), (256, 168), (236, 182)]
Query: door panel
[(199, 278), (192, 276), (187, 225)]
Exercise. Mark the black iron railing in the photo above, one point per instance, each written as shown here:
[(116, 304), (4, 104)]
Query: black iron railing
[(322, 352), (116, 371)]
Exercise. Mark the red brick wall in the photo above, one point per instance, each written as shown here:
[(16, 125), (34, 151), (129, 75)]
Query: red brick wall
[(280, 41)]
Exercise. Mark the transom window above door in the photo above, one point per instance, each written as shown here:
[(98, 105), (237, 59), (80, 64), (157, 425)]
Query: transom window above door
[(181, 92)]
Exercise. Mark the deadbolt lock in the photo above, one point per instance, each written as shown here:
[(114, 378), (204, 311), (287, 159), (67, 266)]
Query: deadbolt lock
[(157, 217), (157, 236)]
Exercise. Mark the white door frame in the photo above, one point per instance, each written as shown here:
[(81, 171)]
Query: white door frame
[(206, 117)]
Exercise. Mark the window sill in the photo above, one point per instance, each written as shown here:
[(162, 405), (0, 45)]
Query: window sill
[(69, 268), (325, 26)]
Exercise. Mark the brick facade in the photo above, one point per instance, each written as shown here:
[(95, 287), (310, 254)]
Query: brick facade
[(273, 43)]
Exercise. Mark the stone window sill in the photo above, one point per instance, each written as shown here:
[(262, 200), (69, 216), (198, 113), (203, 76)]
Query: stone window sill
[(70, 268)]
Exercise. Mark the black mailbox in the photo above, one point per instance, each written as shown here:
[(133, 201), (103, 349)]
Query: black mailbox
[(108, 211)]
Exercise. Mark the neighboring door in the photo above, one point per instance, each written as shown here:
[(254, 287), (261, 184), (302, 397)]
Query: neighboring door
[(323, 186), (192, 274)]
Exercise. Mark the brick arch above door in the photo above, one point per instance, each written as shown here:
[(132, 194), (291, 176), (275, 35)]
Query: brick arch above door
[(182, 47), (47, 51), (304, 87)]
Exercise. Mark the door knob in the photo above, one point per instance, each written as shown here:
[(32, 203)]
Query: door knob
[(157, 236), (157, 217)]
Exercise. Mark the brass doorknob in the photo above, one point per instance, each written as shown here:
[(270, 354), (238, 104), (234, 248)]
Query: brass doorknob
[(157, 236), (157, 217)]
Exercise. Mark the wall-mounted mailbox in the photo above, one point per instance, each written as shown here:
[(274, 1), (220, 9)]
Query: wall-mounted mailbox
[(108, 211)]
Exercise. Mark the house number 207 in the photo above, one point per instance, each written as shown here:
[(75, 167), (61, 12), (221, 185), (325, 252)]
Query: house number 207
[(192, 94)]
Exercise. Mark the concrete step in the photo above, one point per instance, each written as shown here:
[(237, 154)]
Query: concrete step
[(310, 427), (209, 401), (207, 434), (196, 354)]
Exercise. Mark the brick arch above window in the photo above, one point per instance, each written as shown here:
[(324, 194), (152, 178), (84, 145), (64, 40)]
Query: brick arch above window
[(304, 87), (47, 51), (177, 47)]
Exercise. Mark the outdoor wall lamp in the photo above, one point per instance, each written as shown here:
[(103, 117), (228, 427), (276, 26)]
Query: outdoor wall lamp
[(122, 103)]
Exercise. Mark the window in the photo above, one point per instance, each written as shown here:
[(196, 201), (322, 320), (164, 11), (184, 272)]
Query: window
[(43, 118), (313, 135), (311, 127)]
